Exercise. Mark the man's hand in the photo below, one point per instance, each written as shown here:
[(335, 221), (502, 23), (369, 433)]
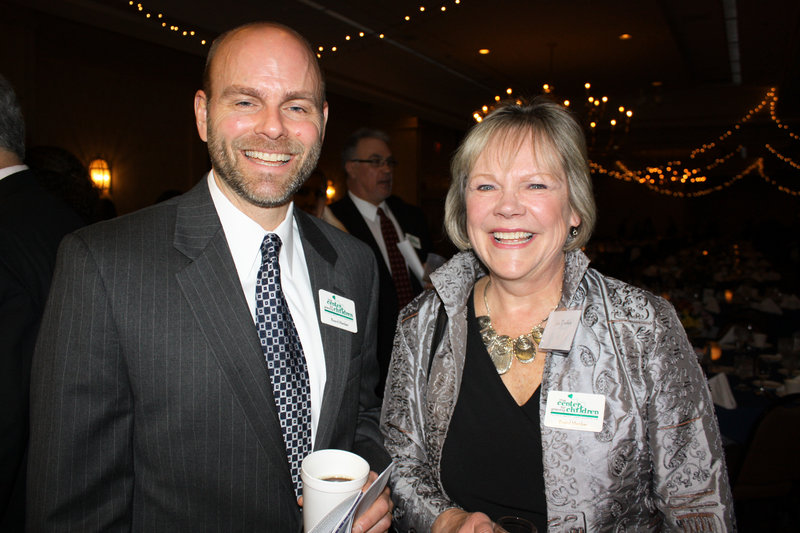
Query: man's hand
[(459, 521), (378, 518)]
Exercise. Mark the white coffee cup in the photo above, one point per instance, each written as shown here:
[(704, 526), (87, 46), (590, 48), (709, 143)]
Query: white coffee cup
[(329, 477)]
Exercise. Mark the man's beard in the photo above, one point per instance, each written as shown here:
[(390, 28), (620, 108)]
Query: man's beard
[(224, 163)]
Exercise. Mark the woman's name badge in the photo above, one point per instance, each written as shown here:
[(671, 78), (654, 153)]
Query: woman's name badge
[(337, 311), (560, 330), (574, 410)]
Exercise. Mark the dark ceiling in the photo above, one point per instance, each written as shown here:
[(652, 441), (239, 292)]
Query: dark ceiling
[(690, 69)]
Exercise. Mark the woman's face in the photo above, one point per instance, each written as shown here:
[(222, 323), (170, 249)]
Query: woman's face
[(518, 212)]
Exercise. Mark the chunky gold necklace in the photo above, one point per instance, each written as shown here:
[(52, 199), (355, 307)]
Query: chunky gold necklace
[(502, 348)]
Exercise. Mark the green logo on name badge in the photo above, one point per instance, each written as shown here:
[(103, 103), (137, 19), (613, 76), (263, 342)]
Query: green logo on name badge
[(575, 408)]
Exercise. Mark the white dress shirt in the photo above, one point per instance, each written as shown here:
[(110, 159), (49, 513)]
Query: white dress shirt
[(369, 212), (244, 237)]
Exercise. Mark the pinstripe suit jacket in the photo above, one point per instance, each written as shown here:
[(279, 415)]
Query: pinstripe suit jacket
[(151, 404)]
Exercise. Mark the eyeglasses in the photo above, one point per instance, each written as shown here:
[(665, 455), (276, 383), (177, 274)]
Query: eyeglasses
[(377, 162)]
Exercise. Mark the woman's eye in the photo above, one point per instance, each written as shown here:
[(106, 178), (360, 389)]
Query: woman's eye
[(484, 187), (537, 186)]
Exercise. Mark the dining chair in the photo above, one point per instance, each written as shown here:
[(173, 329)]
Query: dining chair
[(766, 488)]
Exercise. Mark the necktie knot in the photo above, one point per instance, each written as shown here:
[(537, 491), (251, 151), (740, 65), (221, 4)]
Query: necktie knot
[(271, 249)]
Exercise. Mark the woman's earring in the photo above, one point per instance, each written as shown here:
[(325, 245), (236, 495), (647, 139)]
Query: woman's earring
[(573, 231)]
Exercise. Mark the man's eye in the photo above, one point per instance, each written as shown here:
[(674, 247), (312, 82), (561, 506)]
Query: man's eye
[(244, 103), (297, 109)]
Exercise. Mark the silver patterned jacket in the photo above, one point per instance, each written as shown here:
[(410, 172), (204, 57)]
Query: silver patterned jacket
[(656, 465)]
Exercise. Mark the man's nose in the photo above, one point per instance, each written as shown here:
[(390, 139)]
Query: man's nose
[(271, 123)]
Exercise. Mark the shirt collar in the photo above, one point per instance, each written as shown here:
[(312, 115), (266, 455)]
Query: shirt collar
[(244, 235), (368, 210), (7, 171)]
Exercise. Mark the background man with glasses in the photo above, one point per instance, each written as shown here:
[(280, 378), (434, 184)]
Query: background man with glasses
[(371, 213)]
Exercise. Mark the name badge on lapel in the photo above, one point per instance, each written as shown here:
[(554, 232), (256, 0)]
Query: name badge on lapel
[(337, 311), (560, 330), (574, 410), (414, 240)]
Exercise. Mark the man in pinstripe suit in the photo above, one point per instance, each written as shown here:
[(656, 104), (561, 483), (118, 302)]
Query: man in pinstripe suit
[(151, 405)]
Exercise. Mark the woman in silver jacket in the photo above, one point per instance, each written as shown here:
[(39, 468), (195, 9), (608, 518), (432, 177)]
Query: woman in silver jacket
[(607, 425)]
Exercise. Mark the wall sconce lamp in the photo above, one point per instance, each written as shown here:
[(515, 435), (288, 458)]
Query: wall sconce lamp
[(100, 173), (330, 191)]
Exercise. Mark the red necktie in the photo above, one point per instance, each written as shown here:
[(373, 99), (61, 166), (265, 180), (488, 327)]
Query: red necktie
[(402, 283)]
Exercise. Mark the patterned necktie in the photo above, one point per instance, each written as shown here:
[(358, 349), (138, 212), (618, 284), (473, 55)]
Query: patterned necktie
[(285, 360), (402, 283)]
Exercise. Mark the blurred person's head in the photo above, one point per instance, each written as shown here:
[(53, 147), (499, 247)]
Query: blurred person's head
[(311, 196), (65, 176), (12, 125), (59, 161), (369, 165)]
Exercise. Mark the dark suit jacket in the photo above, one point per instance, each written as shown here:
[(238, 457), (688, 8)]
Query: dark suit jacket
[(32, 223), (151, 404), (411, 220)]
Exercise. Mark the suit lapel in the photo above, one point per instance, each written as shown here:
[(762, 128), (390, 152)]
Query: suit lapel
[(337, 343), (351, 217), (212, 288)]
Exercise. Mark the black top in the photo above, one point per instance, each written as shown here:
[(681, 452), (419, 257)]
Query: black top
[(492, 456)]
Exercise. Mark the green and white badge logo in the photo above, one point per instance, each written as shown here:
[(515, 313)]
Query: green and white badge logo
[(572, 407), (335, 308)]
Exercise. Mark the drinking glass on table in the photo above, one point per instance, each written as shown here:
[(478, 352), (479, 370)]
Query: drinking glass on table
[(515, 524)]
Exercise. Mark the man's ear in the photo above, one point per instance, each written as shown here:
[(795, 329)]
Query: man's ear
[(324, 120), (201, 114), (348, 169)]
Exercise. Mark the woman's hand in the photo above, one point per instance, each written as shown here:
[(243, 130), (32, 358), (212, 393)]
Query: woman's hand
[(458, 521)]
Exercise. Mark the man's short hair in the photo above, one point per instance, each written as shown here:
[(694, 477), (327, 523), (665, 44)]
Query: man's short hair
[(212, 52), (12, 123), (350, 145)]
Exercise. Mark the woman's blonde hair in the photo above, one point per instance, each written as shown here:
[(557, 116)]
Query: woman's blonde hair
[(558, 142)]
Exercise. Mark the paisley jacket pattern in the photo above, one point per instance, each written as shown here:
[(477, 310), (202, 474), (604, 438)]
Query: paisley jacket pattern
[(656, 465)]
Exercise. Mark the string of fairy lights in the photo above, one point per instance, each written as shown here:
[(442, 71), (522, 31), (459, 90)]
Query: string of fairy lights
[(417, 13), (163, 21), (669, 179), (663, 179)]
